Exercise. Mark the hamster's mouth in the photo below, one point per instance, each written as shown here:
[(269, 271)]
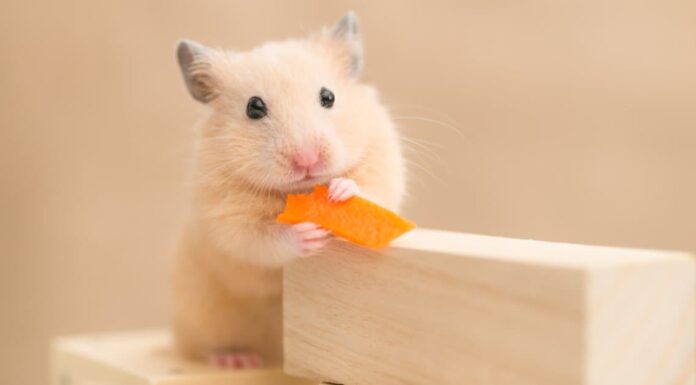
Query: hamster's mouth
[(306, 183)]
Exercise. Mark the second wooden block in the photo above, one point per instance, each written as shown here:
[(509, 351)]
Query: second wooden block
[(450, 309)]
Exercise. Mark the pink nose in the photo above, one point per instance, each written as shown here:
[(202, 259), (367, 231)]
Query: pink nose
[(305, 159)]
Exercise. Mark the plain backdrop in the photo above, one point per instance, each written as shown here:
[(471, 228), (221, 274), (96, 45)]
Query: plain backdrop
[(569, 121)]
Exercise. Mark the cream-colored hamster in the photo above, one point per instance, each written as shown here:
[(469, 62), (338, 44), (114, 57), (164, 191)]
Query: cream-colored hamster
[(281, 118)]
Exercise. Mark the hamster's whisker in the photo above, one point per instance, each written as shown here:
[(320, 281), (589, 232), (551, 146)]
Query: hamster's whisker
[(420, 148), (226, 136), (441, 123), (265, 187), (220, 169), (423, 142), (425, 170), (420, 152), (413, 108), (223, 163), (223, 136), (224, 140), (424, 153)]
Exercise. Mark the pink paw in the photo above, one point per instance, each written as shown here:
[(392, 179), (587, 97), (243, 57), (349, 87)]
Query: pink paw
[(235, 360), (310, 236), (341, 189)]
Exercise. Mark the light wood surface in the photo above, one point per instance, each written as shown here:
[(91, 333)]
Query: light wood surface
[(450, 309), (144, 357)]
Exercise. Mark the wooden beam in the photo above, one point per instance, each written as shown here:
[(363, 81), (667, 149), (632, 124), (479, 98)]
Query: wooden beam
[(144, 358), (450, 309)]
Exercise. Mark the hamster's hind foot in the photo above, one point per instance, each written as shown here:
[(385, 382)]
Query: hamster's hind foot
[(234, 359)]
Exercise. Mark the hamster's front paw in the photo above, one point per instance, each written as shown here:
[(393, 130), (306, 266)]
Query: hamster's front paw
[(310, 237), (341, 189), (231, 359)]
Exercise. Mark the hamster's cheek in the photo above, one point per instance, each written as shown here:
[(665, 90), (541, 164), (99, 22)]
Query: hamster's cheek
[(334, 153)]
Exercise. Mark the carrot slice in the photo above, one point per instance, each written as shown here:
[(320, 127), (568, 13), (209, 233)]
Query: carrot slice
[(356, 219)]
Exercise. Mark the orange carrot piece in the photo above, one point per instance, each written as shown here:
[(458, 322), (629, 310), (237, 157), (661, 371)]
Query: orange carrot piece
[(356, 219)]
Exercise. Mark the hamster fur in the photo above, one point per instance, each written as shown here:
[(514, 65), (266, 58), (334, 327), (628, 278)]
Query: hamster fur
[(228, 275)]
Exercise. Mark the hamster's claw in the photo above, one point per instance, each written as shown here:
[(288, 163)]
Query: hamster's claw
[(341, 189), (311, 237), (235, 360)]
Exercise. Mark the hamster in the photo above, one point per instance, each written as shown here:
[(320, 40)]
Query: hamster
[(281, 118)]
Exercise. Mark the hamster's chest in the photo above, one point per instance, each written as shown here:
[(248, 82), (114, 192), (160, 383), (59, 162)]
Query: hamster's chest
[(259, 205)]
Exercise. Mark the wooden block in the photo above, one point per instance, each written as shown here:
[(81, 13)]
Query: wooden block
[(457, 309), (146, 357)]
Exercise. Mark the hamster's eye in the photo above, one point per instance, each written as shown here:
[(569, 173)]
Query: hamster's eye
[(256, 108), (326, 97)]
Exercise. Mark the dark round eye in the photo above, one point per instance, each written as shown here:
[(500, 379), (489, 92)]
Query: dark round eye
[(326, 97), (256, 108)]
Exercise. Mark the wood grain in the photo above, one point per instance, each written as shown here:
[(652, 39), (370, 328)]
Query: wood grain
[(144, 358), (451, 309)]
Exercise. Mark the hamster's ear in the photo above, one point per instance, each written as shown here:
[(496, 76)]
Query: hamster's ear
[(346, 38), (195, 66)]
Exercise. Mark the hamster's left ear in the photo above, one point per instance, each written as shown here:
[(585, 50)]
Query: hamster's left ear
[(346, 39)]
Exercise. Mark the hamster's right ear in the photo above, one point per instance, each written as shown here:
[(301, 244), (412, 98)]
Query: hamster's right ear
[(345, 41), (195, 66)]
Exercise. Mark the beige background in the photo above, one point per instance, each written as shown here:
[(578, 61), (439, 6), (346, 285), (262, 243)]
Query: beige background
[(570, 121)]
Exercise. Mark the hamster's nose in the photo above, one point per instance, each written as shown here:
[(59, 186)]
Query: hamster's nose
[(305, 160)]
